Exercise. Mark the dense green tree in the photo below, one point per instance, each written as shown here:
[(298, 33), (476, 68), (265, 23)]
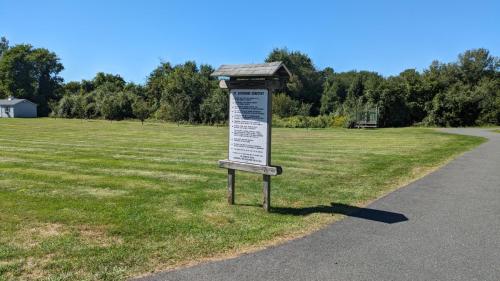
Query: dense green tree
[(392, 105), (72, 88), (206, 70), (87, 86), (477, 64), (489, 92), (113, 82), (458, 106), (125, 101), (304, 109), (88, 97), (182, 92), (461, 93), (415, 95), (31, 73), (334, 94), (155, 82), (136, 90), (305, 85), (141, 109), (175, 110), (65, 107), (354, 97), (90, 107), (215, 108), (284, 105), (110, 108)]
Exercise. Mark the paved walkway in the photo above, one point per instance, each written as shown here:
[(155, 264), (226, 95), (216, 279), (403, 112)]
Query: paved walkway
[(445, 226)]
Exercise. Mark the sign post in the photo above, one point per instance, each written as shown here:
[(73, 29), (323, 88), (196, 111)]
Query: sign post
[(250, 121)]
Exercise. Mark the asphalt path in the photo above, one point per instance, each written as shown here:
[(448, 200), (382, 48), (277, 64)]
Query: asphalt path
[(445, 226)]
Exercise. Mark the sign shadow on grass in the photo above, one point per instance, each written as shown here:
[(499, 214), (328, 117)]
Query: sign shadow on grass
[(347, 210)]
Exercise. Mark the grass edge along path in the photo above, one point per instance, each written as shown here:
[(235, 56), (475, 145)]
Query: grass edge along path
[(95, 200)]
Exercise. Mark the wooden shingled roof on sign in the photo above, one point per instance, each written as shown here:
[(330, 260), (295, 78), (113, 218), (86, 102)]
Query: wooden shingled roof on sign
[(253, 70)]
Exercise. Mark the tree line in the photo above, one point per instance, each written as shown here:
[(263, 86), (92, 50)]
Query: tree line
[(461, 93)]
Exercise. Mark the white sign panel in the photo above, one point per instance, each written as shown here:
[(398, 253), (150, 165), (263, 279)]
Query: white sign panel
[(248, 126)]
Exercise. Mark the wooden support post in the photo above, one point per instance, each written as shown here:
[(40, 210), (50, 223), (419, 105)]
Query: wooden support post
[(231, 173), (266, 190)]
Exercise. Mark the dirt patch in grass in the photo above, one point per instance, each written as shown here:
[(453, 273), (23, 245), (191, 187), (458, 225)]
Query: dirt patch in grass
[(33, 268), (98, 236), (32, 235)]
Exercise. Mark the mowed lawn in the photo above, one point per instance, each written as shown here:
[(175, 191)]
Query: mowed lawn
[(95, 200)]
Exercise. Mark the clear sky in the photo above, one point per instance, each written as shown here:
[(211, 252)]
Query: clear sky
[(130, 38)]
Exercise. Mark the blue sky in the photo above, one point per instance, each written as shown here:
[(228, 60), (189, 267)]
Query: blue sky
[(130, 38)]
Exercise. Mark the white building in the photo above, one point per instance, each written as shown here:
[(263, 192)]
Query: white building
[(12, 108)]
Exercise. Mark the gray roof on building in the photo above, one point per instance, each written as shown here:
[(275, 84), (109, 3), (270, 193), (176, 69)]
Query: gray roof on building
[(251, 70), (13, 101)]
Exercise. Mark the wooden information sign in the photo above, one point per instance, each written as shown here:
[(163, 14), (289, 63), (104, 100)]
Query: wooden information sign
[(250, 121)]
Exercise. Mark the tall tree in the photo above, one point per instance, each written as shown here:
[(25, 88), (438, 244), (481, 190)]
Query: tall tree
[(141, 110), (476, 64), (155, 82), (334, 95), (110, 108), (31, 73), (306, 82), (392, 105), (415, 94), (182, 92), (214, 109), (114, 83)]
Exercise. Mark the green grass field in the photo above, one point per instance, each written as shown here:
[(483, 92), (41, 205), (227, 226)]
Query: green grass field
[(95, 200)]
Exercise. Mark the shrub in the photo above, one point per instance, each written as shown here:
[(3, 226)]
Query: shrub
[(214, 109), (110, 108), (177, 110), (284, 106), (321, 121), (141, 110), (339, 121)]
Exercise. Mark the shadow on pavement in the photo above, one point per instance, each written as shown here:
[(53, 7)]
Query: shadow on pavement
[(343, 209)]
